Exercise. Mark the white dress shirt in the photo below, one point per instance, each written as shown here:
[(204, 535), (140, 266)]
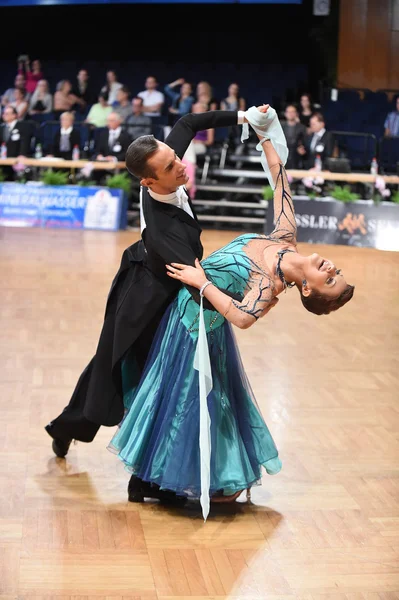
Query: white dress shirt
[(113, 136)]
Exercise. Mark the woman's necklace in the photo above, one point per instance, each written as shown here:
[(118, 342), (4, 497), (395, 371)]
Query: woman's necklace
[(279, 271)]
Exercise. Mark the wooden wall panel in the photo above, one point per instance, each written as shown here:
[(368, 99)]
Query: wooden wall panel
[(368, 44), (352, 41), (394, 61), (378, 44)]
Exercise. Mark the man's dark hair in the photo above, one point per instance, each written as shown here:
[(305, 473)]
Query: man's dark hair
[(137, 156), (319, 116), (104, 96), (320, 304)]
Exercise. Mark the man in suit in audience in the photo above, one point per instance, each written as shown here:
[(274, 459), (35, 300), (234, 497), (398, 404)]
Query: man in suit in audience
[(319, 142), (141, 290), (66, 138), (112, 143), (295, 134), (16, 136)]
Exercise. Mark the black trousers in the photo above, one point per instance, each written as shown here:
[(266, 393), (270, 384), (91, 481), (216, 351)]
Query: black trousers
[(71, 423)]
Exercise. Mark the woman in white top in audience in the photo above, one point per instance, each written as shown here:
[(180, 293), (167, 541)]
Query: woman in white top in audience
[(41, 101)]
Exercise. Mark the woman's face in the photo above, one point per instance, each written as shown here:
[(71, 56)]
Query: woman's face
[(111, 77), (305, 101), (322, 276), (186, 89), (36, 66), (18, 95), (42, 87), (203, 89), (233, 89)]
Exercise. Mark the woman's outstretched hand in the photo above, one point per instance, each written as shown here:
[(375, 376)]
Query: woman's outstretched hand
[(194, 276), (263, 109)]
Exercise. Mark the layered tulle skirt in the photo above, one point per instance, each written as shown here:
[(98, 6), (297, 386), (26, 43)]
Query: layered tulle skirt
[(158, 440)]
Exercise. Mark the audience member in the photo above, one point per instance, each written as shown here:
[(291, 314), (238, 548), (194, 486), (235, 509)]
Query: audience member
[(295, 134), (66, 138), (111, 87), (122, 105), (320, 142), (182, 101), (153, 100), (99, 112), (137, 123), (41, 101), (32, 75), (392, 122)]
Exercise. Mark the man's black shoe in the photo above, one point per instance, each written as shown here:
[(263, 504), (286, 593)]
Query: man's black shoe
[(60, 447), (138, 490)]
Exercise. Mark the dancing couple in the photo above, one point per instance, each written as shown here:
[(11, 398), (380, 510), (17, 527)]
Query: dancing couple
[(191, 427)]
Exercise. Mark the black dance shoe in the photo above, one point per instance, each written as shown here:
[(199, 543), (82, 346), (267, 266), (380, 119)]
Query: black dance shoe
[(60, 447), (138, 490)]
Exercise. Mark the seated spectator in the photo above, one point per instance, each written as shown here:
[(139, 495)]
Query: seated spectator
[(182, 101), (392, 122), (9, 95), (16, 136), (122, 105), (41, 101), (295, 134), (138, 124), (99, 112), (112, 143), (153, 100), (233, 101), (64, 100), (66, 138), (319, 143), (111, 87), (20, 104), (306, 110), (32, 76), (203, 139), (205, 96), (84, 91)]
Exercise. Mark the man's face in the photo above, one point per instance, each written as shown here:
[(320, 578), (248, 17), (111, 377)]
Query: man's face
[(315, 125), (290, 113), (169, 169), (19, 81), (66, 121), (9, 115), (137, 106), (151, 83), (113, 121), (83, 76)]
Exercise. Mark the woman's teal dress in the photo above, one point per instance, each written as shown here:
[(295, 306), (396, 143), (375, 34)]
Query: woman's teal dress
[(158, 440)]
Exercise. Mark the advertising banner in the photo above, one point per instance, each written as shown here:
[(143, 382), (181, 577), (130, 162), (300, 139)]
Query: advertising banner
[(66, 206), (360, 223)]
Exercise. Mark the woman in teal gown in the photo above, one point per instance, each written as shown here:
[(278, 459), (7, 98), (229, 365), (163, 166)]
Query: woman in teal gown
[(192, 425)]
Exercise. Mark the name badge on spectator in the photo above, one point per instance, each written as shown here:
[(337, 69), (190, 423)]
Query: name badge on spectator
[(15, 136), (117, 148), (319, 148)]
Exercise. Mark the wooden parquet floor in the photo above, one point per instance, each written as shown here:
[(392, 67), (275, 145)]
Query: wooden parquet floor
[(326, 527)]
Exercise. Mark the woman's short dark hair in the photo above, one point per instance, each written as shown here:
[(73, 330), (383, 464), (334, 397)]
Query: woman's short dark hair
[(320, 304), (137, 156)]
